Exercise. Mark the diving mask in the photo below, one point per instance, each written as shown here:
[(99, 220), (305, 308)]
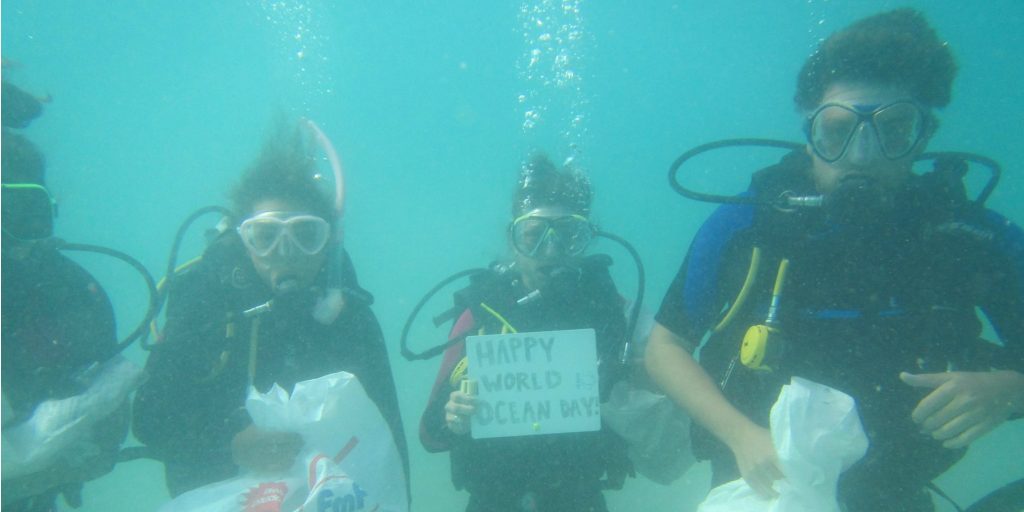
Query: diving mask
[(28, 211), (539, 236), (266, 232), (897, 128)]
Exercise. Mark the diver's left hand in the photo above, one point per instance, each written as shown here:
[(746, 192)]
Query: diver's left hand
[(965, 405)]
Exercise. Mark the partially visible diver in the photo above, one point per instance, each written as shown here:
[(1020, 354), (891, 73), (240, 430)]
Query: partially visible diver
[(550, 285), (59, 428), (872, 289), (258, 309)]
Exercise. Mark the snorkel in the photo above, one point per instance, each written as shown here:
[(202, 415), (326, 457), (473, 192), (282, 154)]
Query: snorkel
[(330, 304)]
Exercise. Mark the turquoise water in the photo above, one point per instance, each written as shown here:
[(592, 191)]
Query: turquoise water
[(159, 105)]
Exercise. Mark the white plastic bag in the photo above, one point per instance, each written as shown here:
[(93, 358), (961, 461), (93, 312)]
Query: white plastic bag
[(349, 460), (60, 431), (817, 435), (656, 430)]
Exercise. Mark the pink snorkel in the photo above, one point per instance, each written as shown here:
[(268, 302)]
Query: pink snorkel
[(330, 305), (335, 161)]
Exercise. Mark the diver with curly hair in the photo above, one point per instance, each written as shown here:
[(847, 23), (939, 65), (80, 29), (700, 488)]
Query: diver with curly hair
[(876, 286), (257, 310)]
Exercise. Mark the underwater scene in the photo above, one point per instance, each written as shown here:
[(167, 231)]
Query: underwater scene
[(521, 138)]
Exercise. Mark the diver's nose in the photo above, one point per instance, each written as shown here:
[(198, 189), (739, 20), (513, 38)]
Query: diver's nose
[(864, 147), (553, 245), (285, 247)]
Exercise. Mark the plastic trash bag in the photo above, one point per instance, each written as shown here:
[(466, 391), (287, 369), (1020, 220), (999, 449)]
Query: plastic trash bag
[(60, 431), (656, 431), (817, 434), (349, 460)]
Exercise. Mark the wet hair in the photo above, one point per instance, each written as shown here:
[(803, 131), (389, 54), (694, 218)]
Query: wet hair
[(22, 162), (284, 171), (896, 48), (541, 185)]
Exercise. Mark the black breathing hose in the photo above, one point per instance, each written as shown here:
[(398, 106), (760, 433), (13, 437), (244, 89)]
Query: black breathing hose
[(172, 260), (673, 171), (433, 351), (154, 301), (454, 311), (993, 166), (641, 280)]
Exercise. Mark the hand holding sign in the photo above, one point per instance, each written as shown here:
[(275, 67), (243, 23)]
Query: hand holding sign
[(530, 384), (460, 407)]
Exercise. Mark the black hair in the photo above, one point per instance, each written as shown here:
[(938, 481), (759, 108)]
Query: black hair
[(541, 184), (284, 171), (893, 48)]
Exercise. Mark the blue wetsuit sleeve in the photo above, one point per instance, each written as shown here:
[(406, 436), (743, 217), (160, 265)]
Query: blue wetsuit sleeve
[(695, 298), (1003, 305)]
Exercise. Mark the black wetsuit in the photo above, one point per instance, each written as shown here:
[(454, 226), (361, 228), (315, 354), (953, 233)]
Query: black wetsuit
[(544, 473), (862, 302), (193, 404), (56, 322)]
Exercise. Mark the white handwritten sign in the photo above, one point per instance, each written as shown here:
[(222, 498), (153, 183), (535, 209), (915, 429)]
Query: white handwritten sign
[(532, 383)]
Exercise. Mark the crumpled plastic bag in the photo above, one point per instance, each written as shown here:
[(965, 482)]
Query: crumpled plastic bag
[(817, 434), (656, 431), (61, 430), (349, 460)]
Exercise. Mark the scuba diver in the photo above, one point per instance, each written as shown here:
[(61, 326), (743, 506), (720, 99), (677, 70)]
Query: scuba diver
[(65, 390), (842, 266), (550, 285), (274, 299)]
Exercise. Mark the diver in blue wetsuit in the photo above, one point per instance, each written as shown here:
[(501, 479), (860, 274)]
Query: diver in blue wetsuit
[(875, 290)]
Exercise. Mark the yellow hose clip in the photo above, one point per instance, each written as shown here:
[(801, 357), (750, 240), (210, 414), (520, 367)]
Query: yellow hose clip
[(762, 344), (754, 349), (459, 373)]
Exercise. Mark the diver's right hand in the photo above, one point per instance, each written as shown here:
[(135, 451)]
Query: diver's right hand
[(756, 459), (264, 451), (458, 410)]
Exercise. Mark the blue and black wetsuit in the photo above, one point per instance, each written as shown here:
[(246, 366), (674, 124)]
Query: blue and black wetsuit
[(860, 306)]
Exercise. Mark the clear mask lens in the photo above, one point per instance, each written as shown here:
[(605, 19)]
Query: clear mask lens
[(28, 211), (897, 126), (264, 233), (537, 236)]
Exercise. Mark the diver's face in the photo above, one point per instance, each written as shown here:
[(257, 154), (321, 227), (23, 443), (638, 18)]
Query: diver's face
[(287, 245), (865, 131), (547, 241)]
